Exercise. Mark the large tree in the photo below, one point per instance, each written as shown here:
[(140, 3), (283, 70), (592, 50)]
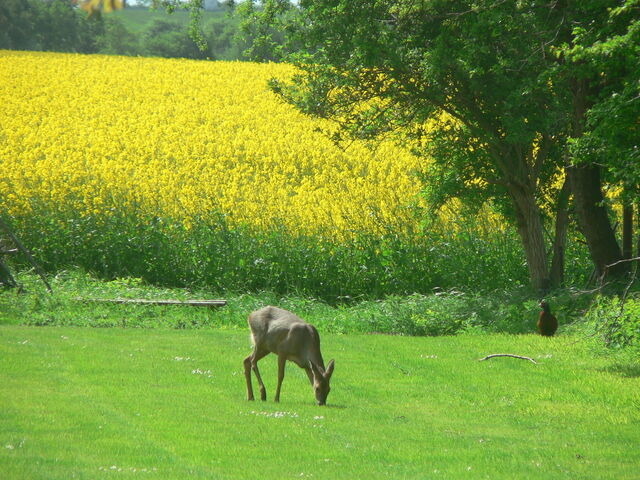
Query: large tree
[(482, 86), (472, 78), (602, 62)]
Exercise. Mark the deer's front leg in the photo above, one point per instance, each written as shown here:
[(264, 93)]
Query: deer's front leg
[(263, 390), (282, 360)]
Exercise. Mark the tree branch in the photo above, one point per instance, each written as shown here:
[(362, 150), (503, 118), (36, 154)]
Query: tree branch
[(507, 355), (26, 253)]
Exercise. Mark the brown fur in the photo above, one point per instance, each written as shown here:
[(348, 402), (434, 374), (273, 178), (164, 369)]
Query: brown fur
[(274, 330), (547, 322)]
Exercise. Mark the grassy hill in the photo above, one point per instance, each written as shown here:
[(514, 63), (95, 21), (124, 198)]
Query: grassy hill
[(136, 19)]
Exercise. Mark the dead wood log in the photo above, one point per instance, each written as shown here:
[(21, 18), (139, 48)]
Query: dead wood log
[(140, 301)]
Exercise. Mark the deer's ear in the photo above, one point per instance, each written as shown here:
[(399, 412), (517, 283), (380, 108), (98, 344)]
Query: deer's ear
[(329, 371)]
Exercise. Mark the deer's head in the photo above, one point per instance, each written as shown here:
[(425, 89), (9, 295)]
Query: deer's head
[(321, 380)]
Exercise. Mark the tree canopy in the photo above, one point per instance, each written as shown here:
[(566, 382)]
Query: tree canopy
[(504, 97)]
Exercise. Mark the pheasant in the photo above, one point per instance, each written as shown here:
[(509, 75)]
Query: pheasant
[(547, 322)]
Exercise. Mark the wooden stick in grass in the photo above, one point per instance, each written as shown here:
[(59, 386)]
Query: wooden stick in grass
[(493, 355)]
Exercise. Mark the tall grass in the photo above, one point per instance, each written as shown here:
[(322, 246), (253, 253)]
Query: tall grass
[(239, 259)]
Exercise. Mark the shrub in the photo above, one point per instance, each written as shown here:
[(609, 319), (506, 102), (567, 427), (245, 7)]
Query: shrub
[(616, 321)]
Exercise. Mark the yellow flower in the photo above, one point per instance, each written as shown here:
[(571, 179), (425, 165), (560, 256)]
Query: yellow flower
[(184, 139)]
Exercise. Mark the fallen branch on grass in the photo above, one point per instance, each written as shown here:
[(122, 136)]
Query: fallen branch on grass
[(507, 355), (138, 301)]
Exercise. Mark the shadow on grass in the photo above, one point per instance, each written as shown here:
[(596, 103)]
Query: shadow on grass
[(334, 406), (627, 370)]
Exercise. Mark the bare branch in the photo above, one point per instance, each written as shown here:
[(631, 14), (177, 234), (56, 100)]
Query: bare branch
[(26, 253), (634, 259), (507, 355)]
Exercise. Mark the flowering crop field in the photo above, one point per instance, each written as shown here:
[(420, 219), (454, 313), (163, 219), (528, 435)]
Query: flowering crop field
[(181, 139), (192, 173)]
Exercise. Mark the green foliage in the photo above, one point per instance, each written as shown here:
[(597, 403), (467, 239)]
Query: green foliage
[(224, 39), (15, 25), (211, 253), (57, 26), (194, 8), (450, 312), (603, 319), (617, 322), (117, 40), (610, 54), (53, 25), (169, 38), (270, 29)]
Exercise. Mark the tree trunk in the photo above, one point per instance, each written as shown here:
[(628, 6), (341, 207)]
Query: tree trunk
[(6, 279), (638, 239), (627, 230), (529, 225), (594, 220), (586, 186), (560, 238)]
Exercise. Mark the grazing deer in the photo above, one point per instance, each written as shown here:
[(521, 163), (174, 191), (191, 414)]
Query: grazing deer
[(274, 330)]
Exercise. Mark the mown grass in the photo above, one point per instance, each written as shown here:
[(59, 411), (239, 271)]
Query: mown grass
[(164, 397), (131, 403)]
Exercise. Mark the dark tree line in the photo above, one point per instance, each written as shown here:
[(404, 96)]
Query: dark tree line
[(47, 25), (60, 26)]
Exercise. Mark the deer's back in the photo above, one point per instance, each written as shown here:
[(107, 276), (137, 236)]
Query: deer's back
[(279, 330)]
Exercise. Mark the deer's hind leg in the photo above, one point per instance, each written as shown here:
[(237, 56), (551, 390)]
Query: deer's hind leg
[(251, 363), (247, 376)]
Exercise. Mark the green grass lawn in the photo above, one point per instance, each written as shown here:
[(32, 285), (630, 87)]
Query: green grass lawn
[(95, 403)]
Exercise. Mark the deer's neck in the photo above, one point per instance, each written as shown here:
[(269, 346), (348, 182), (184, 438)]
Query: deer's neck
[(309, 351), (314, 349)]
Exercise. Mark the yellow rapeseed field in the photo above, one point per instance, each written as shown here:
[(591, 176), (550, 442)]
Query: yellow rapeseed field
[(181, 139)]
